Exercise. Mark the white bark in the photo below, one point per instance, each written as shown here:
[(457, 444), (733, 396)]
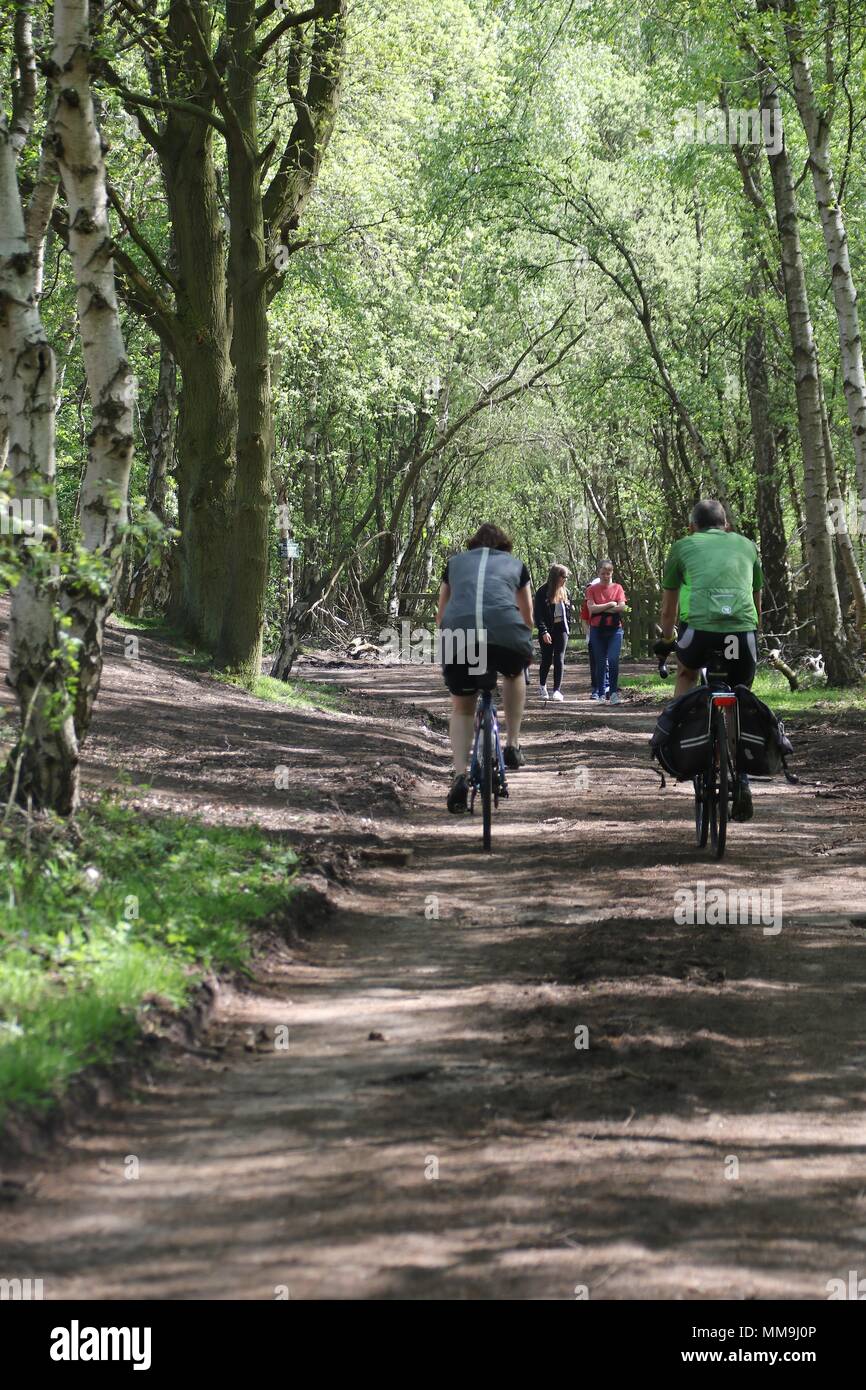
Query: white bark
[(44, 766), (817, 129), (78, 151), (818, 551)]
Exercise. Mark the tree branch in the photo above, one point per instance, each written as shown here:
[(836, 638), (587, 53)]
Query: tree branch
[(154, 103), (291, 21), (140, 240), (24, 88)]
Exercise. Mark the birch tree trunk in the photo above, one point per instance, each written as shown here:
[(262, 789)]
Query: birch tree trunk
[(110, 380), (817, 127), (845, 553), (818, 546), (43, 768)]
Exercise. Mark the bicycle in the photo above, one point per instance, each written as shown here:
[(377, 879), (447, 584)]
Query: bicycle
[(716, 786), (487, 768)]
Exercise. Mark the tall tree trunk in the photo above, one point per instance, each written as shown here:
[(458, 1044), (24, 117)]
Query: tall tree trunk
[(110, 379), (846, 555), (771, 522), (148, 585), (240, 647), (817, 128), (43, 768), (826, 611), (208, 408)]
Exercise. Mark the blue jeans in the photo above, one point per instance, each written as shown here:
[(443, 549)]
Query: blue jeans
[(605, 644), (592, 680)]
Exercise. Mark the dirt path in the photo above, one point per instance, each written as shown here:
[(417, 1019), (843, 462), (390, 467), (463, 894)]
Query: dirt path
[(431, 1130)]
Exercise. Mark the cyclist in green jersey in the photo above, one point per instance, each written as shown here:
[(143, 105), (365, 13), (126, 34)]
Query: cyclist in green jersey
[(721, 573)]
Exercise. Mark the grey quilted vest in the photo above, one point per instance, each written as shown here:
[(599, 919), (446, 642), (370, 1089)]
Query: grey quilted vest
[(484, 586)]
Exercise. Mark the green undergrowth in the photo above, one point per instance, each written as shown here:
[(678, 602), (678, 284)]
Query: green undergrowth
[(772, 687), (114, 916)]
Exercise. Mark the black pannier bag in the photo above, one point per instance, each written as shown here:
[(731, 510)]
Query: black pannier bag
[(681, 738), (764, 745)]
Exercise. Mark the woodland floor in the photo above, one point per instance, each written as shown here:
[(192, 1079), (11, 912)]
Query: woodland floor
[(413, 1039)]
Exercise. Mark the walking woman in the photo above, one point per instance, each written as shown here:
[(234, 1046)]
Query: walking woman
[(606, 603), (553, 620)]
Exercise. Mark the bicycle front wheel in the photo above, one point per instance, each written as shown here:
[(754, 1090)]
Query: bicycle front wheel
[(487, 779)]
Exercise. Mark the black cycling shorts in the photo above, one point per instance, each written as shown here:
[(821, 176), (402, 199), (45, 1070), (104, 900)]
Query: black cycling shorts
[(501, 661), (730, 654)]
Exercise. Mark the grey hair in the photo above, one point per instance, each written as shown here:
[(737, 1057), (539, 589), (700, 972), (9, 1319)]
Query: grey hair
[(708, 513)]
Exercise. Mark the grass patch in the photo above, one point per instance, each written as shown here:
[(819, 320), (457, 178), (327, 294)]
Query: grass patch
[(298, 694), (771, 687), (101, 921)]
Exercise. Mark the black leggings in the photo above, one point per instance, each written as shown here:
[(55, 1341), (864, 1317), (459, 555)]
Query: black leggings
[(553, 651)]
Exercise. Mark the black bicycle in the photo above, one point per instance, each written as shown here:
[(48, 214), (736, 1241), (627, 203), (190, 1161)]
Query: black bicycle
[(487, 769), (716, 785)]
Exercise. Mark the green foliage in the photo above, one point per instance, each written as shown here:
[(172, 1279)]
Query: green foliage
[(101, 923)]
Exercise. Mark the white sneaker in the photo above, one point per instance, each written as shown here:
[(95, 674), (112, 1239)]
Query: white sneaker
[(557, 695), (616, 698), (542, 690)]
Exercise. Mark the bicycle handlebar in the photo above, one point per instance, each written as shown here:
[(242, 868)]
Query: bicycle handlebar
[(662, 650)]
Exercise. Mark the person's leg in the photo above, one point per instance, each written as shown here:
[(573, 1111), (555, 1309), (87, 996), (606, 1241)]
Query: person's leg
[(614, 647), (544, 664), (513, 703), (560, 642), (690, 647), (462, 728), (686, 680), (597, 660)]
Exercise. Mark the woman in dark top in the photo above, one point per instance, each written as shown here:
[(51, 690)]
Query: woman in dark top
[(485, 623), (553, 620)]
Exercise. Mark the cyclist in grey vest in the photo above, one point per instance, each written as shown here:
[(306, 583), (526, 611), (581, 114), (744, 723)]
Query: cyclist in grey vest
[(485, 622)]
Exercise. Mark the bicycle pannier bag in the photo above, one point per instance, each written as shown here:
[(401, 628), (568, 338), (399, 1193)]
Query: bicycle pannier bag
[(681, 738), (764, 745)]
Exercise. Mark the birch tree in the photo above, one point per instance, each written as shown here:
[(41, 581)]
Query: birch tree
[(817, 124), (43, 768), (111, 383), (841, 667)]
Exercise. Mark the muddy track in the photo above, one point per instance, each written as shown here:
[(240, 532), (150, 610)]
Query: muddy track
[(431, 1129)]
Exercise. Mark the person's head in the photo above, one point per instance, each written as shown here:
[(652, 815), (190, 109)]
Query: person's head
[(707, 515), (605, 571), (556, 581), (489, 537)]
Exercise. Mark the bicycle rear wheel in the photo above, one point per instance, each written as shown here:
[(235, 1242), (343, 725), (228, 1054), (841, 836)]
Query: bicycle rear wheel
[(719, 812), (702, 808), (487, 778)]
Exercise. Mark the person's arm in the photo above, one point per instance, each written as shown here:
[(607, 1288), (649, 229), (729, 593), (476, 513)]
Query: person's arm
[(673, 579), (539, 621), (602, 607), (668, 621), (444, 596), (524, 604)]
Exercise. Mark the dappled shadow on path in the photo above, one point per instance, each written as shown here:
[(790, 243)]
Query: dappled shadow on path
[(432, 1129)]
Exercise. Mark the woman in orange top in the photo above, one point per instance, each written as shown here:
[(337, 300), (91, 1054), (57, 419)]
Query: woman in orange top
[(605, 602)]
